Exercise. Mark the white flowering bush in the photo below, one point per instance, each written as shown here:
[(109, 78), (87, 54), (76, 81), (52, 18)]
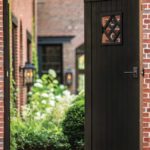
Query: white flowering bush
[(47, 99), (39, 127)]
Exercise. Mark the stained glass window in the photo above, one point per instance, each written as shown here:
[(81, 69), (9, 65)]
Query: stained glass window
[(111, 29)]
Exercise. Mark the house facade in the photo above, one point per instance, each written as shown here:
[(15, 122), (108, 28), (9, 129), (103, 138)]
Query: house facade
[(21, 44), (60, 36), (16, 29)]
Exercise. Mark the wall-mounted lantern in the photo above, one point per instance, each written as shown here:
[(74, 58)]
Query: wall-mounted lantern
[(28, 73), (69, 78)]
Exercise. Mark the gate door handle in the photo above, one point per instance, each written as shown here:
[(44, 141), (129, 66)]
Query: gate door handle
[(134, 72)]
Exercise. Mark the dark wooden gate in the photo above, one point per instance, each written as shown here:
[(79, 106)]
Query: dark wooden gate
[(112, 69), (6, 76)]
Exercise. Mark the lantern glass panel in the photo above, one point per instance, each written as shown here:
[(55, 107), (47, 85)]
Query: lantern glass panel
[(28, 75), (69, 78)]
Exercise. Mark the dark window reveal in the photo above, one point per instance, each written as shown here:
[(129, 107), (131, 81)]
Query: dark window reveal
[(21, 45), (29, 51), (14, 48), (29, 47), (111, 29)]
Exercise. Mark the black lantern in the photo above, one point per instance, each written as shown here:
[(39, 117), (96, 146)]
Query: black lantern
[(28, 73), (69, 78)]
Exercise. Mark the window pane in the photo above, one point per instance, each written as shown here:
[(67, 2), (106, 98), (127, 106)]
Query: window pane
[(81, 62), (52, 59), (81, 82)]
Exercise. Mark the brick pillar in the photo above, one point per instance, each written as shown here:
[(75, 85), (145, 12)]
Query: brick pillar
[(22, 63), (1, 78), (146, 83)]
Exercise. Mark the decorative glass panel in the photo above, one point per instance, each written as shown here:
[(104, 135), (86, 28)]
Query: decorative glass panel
[(111, 29)]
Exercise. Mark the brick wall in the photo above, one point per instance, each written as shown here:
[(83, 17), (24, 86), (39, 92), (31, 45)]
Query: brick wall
[(63, 18), (60, 18), (146, 84), (22, 11)]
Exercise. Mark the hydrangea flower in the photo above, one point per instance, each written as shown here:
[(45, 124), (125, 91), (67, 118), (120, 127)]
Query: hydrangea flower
[(52, 98), (38, 85), (48, 110), (59, 97), (39, 116), (42, 116), (55, 82), (66, 93), (52, 103), (62, 87), (52, 73), (30, 93), (44, 95), (52, 90), (44, 102), (38, 81)]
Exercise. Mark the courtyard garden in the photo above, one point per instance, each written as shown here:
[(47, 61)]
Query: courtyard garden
[(52, 119)]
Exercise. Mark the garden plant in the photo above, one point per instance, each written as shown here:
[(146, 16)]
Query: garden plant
[(43, 123)]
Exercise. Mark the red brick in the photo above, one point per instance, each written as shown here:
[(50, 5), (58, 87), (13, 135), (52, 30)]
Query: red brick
[(147, 139), (145, 114), (147, 50), (23, 12)]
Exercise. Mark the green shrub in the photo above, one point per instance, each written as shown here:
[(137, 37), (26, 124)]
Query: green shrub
[(34, 136), (53, 119), (39, 126), (73, 124)]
